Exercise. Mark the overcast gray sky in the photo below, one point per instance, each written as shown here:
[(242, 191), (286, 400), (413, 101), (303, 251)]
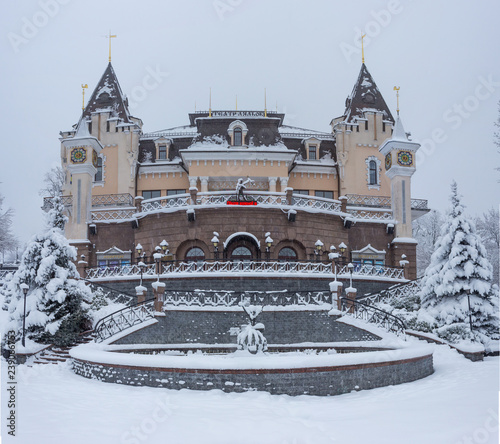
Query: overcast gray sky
[(443, 55)]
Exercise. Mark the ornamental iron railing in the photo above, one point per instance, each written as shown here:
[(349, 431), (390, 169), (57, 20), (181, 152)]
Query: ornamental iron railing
[(382, 201), (398, 291), (113, 200), (122, 319), (169, 268), (67, 201), (110, 293), (113, 214), (227, 298), (369, 313)]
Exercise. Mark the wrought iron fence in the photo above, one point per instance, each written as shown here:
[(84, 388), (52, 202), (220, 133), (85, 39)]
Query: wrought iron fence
[(113, 200), (369, 313), (382, 201), (371, 214), (223, 298), (67, 201), (111, 293), (116, 214), (122, 319), (242, 267), (410, 288)]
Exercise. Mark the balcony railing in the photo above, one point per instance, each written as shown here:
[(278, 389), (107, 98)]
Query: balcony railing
[(178, 268), (66, 200), (382, 201), (113, 200)]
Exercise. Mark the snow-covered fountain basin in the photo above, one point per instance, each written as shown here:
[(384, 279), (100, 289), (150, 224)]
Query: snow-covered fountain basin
[(300, 369)]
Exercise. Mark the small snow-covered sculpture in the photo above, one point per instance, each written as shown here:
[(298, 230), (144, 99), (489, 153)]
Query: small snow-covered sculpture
[(240, 188), (251, 337)]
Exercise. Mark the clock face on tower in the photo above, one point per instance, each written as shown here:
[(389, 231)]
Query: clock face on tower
[(388, 161), (94, 158), (78, 155), (405, 158)]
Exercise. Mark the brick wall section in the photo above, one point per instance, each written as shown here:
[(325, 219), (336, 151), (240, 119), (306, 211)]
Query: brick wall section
[(301, 235), (318, 381), (212, 327)]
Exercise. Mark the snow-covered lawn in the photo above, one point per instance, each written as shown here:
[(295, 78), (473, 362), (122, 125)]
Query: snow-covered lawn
[(457, 404)]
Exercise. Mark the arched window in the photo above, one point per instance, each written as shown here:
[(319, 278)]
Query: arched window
[(195, 254), (373, 173), (287, 254), (241, 254), (238, 137)]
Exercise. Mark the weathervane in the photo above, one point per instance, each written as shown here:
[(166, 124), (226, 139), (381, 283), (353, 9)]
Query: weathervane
[(397, 88), (110, 37), (265, 103), (84, 87), (362, 48), (210, 104)]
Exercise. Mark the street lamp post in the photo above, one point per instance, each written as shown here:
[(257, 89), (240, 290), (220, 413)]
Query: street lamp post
[(25, 289), (215, 243), (342, 249), (269, 243), (318, 247), (467, 291), (141, 266), (139, 250), (350, 266)]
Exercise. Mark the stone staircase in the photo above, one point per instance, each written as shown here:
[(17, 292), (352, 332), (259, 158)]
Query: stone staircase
[(55, 355)]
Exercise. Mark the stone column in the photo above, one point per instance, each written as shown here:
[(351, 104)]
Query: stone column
[(138, 203), (141, 292), (272, 184), (159, 294), (193, 181), (204, 184), (81, 267), (336, 291), (343, 204), (350, 293), (193, 191), (284, 183), (289, 199)]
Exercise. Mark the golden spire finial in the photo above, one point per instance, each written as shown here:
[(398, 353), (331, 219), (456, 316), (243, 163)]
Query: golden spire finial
[(236, 102), (84, 87), (397, 88), (362, 48), (265, 103), (195, 106), (276, 107), (210, 104), (110, 37)]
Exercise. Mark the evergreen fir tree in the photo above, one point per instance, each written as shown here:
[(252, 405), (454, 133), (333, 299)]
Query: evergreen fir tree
[(459, 265), (56, 307)]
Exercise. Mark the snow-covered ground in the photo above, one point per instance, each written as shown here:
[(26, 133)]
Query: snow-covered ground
[(457, 404)]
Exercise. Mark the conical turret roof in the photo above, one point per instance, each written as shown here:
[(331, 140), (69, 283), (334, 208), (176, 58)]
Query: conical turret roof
[(365, 96), (108, 96)]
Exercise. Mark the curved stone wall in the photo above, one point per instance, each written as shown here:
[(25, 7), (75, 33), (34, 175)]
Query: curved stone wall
[(385, 368)]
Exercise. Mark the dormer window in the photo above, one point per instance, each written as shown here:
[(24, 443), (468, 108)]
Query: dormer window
[(162, 146), (313, 154), (312, 148), (237, 132), (162, 152), (238, 137)]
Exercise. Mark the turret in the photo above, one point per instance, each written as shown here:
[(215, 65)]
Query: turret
[(359, 132), (399, 153), (80, 154)]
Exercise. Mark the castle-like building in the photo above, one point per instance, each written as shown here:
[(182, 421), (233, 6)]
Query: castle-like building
[(127, 191)]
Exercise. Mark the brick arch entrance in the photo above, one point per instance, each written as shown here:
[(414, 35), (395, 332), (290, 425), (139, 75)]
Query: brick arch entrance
[(242, 248)]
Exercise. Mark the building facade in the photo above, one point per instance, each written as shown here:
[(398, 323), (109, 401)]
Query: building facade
[(303, 190)]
